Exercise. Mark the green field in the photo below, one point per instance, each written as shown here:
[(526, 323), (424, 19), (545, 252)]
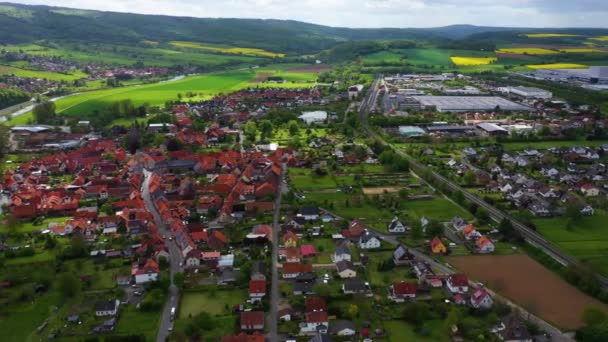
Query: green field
[(214, 303), (587, 241), (53, 76), (399, 331)]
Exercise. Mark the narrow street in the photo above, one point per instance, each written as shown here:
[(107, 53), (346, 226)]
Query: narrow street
[(274, 284), (175, 259)]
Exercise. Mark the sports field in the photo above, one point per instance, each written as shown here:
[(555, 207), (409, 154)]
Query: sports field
[(530, 285)]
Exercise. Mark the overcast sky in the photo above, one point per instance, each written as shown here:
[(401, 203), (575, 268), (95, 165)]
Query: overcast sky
[(371, 13)]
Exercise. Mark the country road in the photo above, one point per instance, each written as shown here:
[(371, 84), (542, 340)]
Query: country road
[(367, 105), (274, 285), (175, 261)]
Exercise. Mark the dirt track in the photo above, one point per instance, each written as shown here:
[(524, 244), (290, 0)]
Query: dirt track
[(379, 191), (530, 285)]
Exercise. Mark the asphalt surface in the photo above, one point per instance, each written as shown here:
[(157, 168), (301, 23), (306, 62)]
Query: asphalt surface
[(367, 105), (273, 319), (175, 259)]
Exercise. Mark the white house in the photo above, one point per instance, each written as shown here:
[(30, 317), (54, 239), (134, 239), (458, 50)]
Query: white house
[(346, 269), (342, 328), (145, 273), (342, 253), (458, 283), (396, 226), (354, 91), (369, 241), (480, 299), (107, 308)]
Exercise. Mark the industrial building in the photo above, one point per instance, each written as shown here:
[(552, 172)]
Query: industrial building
[(492, 129), (313, 117), (468, 103), (530, 93), (411, 131)]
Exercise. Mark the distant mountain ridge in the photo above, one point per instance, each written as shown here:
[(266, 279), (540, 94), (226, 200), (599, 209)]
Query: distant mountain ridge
[(29, 23)]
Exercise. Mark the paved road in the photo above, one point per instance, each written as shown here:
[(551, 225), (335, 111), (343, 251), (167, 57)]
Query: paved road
[(367, 105), (175, 259), (273, 319)]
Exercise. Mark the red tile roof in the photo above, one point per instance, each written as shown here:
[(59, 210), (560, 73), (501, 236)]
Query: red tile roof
[(257, 287)]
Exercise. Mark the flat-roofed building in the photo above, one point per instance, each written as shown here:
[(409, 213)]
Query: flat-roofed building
[(468, 103), (531, 93)]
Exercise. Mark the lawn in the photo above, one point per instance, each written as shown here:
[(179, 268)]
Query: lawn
[(135, 322), (437, 209), (17, 323), (28, 227), (587, 241), (303, 179), (218, 302)]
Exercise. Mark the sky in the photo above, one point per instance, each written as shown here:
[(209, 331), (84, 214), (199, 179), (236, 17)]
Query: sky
[(371, 13)]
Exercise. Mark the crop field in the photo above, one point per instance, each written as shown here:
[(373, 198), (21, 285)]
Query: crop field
[(466, 61), (53, 76), (587, 240), (228, 50), (550, 35), (600, 38), (527, 50), (557, 66), (530, 285), (579, 50)]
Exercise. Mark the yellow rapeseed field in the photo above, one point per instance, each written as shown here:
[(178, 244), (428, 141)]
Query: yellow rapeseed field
[(228, 50), (529, 51), (550, 35), (467, 61), (557, 66)]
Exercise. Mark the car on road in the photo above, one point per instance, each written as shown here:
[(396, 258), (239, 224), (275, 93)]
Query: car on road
[(170, 328), (172, 317), (137, 293)]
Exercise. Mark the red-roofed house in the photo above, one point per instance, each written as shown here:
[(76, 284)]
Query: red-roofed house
[(257, 290), (252, 320), (458, 283), (308, 251), (316, 321), (481, 299), (242, 337), (402, 290), (313, 304), (292, 270), (290, 239), (484, 245), (146, 272)]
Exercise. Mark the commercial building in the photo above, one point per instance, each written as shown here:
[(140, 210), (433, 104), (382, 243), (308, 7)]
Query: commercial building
[(411, 131), (468, 103), (492, 129)]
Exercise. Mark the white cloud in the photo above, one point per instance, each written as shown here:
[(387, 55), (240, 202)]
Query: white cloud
[(371, 13)]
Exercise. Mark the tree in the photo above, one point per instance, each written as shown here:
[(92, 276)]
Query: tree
[(266, 129), (322, 290), (44, 112), (250, 130), (469, 177), (5, 134), (353, 311), (434, 228), (293, 127), (416, 232), (179, 279), (69, 285)]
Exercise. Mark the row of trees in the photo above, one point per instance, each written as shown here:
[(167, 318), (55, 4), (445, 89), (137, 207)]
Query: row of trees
[(11, 97)]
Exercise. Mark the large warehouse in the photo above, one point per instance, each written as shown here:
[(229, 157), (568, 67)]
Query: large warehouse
[(468, 103)]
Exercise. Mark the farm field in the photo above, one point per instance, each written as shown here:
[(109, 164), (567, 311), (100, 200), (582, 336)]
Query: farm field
[(227, 50), (53, 76), (600, 39), (549, 35), (467, 61), (557, 66), (527, 50), (530, 285), (579, 50), (587, 240)]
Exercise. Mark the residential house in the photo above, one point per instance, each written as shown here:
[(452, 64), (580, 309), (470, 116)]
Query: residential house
[(193, 259), (346, 269), (303, 288), (590, 190), (242, 337), (310, 213), (252, 320), (356, 286), (308, 251), (290, 239), (341, 253), (343, 328), (484, 245), (513, 329), (458, 283), (481, 299), (396, 226), (369, 241), (257, 290), (316, 321), (293, 270), (587, 211), (437, 246), (145, 272), (401, 291), (107, 307), (402, 256)]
